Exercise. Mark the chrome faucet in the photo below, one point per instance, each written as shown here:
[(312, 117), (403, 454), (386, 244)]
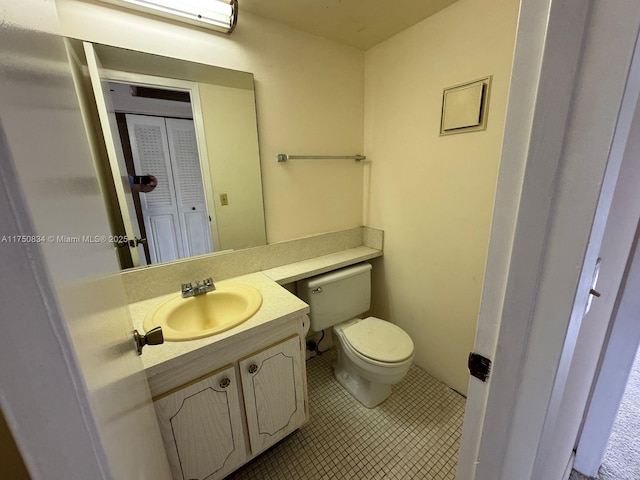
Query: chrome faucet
[(188, 290)]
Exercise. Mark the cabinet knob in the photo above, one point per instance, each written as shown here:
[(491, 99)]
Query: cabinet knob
[(253, 368), (225, 382)]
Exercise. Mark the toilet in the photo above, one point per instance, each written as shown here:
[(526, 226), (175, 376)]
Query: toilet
[(372, 354)]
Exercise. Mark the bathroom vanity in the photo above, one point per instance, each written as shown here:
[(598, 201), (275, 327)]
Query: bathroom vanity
[(224, 399)]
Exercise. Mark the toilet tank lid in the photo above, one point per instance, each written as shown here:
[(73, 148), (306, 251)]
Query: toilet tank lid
[(379, 340), (336, 275)]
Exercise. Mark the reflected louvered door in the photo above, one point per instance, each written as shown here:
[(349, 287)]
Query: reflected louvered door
[(150, 150), (190, 197)]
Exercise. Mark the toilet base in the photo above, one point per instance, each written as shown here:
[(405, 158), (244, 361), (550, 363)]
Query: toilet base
[(370, 394)]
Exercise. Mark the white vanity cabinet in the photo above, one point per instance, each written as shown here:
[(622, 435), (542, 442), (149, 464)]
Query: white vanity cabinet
[(202, 428), (221, 409), (272, 382)]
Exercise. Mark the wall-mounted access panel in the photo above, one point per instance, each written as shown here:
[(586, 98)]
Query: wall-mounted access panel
[(465, 107)]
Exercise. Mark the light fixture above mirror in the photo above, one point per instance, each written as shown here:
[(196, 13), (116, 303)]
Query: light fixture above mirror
[(218, 15)]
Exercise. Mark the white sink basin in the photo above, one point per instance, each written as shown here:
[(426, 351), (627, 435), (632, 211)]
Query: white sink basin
[(204, 315)]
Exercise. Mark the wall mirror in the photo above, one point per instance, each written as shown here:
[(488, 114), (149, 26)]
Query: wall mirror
[(191, 131)]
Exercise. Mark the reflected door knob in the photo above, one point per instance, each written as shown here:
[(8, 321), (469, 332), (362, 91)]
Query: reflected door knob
[(137, 241), (152, 337)]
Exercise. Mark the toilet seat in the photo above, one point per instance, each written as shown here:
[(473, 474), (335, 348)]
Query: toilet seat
[(378, 340)]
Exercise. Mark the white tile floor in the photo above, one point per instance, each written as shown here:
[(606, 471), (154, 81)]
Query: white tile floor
[(414, 434)]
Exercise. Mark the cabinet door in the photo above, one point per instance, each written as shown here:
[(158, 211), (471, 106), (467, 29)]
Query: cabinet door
[(201, 425), (272, 382)]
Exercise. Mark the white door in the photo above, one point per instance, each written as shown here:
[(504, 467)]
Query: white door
[(113, 145), (72, 389), (557, 174), (187, 175), (150, 150), (175, 212), (617, 360)]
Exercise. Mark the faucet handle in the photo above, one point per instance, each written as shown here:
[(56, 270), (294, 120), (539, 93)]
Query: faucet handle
[(208, 284), (188, 290)]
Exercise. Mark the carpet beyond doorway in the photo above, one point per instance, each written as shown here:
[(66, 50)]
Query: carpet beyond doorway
[(622, 459)]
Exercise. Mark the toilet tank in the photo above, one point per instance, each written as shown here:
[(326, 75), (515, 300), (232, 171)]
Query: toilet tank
[(336, 296)]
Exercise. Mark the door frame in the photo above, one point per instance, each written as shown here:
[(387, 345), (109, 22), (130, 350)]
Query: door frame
[(130, 78), (552, 203), (115, 155), (182, 235)]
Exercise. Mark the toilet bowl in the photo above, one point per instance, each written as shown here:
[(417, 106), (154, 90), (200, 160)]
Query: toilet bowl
[(372, 354)]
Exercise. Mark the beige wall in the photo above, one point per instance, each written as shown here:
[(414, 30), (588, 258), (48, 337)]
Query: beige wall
[(309, 94), (433, 196), (229, 117)]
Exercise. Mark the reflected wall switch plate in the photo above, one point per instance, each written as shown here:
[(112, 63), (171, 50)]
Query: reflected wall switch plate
[(223, 199)]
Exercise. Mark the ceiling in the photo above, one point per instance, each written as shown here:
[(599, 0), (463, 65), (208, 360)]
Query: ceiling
[(359, 23)]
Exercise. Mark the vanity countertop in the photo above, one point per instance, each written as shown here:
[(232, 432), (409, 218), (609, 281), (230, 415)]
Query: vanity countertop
[(277, 304), (319, 265)]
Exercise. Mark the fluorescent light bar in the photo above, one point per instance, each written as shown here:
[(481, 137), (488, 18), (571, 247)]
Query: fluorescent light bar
[(215, 14)]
